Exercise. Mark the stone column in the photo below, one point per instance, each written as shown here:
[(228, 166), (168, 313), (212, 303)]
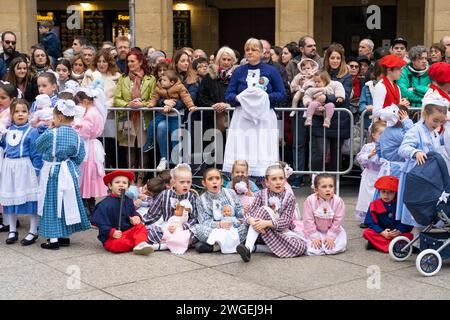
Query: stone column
[(19, 16), (437, 22), (294, 19), (154, 24)]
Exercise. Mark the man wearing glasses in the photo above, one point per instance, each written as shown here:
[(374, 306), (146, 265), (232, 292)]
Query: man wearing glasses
[(9, 47)]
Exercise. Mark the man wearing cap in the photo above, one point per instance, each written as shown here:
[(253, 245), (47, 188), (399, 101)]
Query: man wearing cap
[(120, 230), (399, 48), (387, 93), (382, 226)]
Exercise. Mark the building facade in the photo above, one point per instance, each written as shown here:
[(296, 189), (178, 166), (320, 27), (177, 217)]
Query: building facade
[(209, 24)]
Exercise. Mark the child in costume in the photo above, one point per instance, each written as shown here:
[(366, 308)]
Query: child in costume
[(163, 234), (213, 233), (271, 217), (48, 85), (59, 202), (240, 168), (19, 173), (148, 195), (369, 160), (120, 231), (90, 127), (323, 216), (421, 139), (383, 227)]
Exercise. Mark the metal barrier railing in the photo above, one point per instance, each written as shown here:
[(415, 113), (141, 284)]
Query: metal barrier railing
[(364, 136), (127, 125), (283, 111), (192, 137)]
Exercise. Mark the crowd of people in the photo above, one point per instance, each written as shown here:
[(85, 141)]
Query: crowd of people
[(55, 106)]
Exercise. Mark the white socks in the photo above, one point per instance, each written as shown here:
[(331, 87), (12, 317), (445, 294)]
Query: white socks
[(53, 240), (252, 236), (34, 223), (12, 219)]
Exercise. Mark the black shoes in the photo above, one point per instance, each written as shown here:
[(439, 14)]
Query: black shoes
[(4, 228), (50, 245), (244, 252), (63, 242), (369, 246), (13, 239), (26, 242), (363, 226), (203, 247)]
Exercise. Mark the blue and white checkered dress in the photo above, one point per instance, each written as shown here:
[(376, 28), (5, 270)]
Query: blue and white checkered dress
[(67, 148)]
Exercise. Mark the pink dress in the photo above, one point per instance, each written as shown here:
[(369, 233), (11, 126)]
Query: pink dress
[(92, 169)]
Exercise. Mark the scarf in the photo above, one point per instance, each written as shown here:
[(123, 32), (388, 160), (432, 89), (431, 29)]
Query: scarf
[(441, 92), (225, 74), (136, 82), (356, 87), (417, 73), (392, 94)]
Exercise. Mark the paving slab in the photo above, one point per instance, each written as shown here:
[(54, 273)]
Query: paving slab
[(441, 279), (107, 269), (391, 288), (211, 259), (91, 295), (295, 274), (11, 258), (357, 254), (38, 282), (205, 284)]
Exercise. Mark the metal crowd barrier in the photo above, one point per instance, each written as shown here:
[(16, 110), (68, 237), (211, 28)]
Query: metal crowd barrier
[(284, 112), (191, 141), (140, 164), (365, 136)]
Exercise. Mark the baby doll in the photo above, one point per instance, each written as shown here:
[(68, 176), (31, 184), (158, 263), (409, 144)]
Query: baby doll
[(44, 114), (228, 215), (241, 186), (262, 83)]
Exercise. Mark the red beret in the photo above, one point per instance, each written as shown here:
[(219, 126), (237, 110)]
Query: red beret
[(391, 61), (387, 183), (118, 173), (440, 72)]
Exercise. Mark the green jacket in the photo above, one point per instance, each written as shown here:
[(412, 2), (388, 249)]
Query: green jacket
[(417, 80), (122, 97)]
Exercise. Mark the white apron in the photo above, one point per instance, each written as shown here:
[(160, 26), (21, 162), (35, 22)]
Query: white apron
[(253, 133), (366, 189), (99, 154), (66, 188), (18, 180)]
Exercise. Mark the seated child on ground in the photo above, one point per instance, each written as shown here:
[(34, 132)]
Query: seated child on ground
[(380, 219), (241, 186), (323, 215), (125, 233), (240, 168)]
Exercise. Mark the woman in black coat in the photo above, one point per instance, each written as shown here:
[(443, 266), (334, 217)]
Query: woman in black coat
[(19, 75), (334, 64)]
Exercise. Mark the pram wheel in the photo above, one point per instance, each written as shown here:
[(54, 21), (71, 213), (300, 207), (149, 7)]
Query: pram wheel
[(396, 246), (429, 262)]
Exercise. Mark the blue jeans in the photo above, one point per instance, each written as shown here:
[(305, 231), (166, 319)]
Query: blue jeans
[(161, 132)]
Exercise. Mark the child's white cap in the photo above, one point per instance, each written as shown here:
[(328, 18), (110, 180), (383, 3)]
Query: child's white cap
[(71, 86), (43, 101), (434, 99)]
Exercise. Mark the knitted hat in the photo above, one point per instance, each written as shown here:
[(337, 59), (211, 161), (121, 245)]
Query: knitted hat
[(155, 55), (440, 72), (387, 183), (43, 101), (107, 179)]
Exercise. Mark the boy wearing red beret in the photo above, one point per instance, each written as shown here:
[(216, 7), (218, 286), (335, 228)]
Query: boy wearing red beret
[(125, 232), (382, 226)]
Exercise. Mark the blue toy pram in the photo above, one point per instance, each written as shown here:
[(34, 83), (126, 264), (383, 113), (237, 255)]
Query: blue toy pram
[(427, 189)]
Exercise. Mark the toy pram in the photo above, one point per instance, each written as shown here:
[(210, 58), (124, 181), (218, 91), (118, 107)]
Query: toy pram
[(427, 192)]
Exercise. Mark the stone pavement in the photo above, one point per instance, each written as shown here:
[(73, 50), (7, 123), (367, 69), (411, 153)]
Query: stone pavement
[(33, 273)]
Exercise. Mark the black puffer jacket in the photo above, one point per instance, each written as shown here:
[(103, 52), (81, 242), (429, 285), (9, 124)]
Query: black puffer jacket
[(344, 117)]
